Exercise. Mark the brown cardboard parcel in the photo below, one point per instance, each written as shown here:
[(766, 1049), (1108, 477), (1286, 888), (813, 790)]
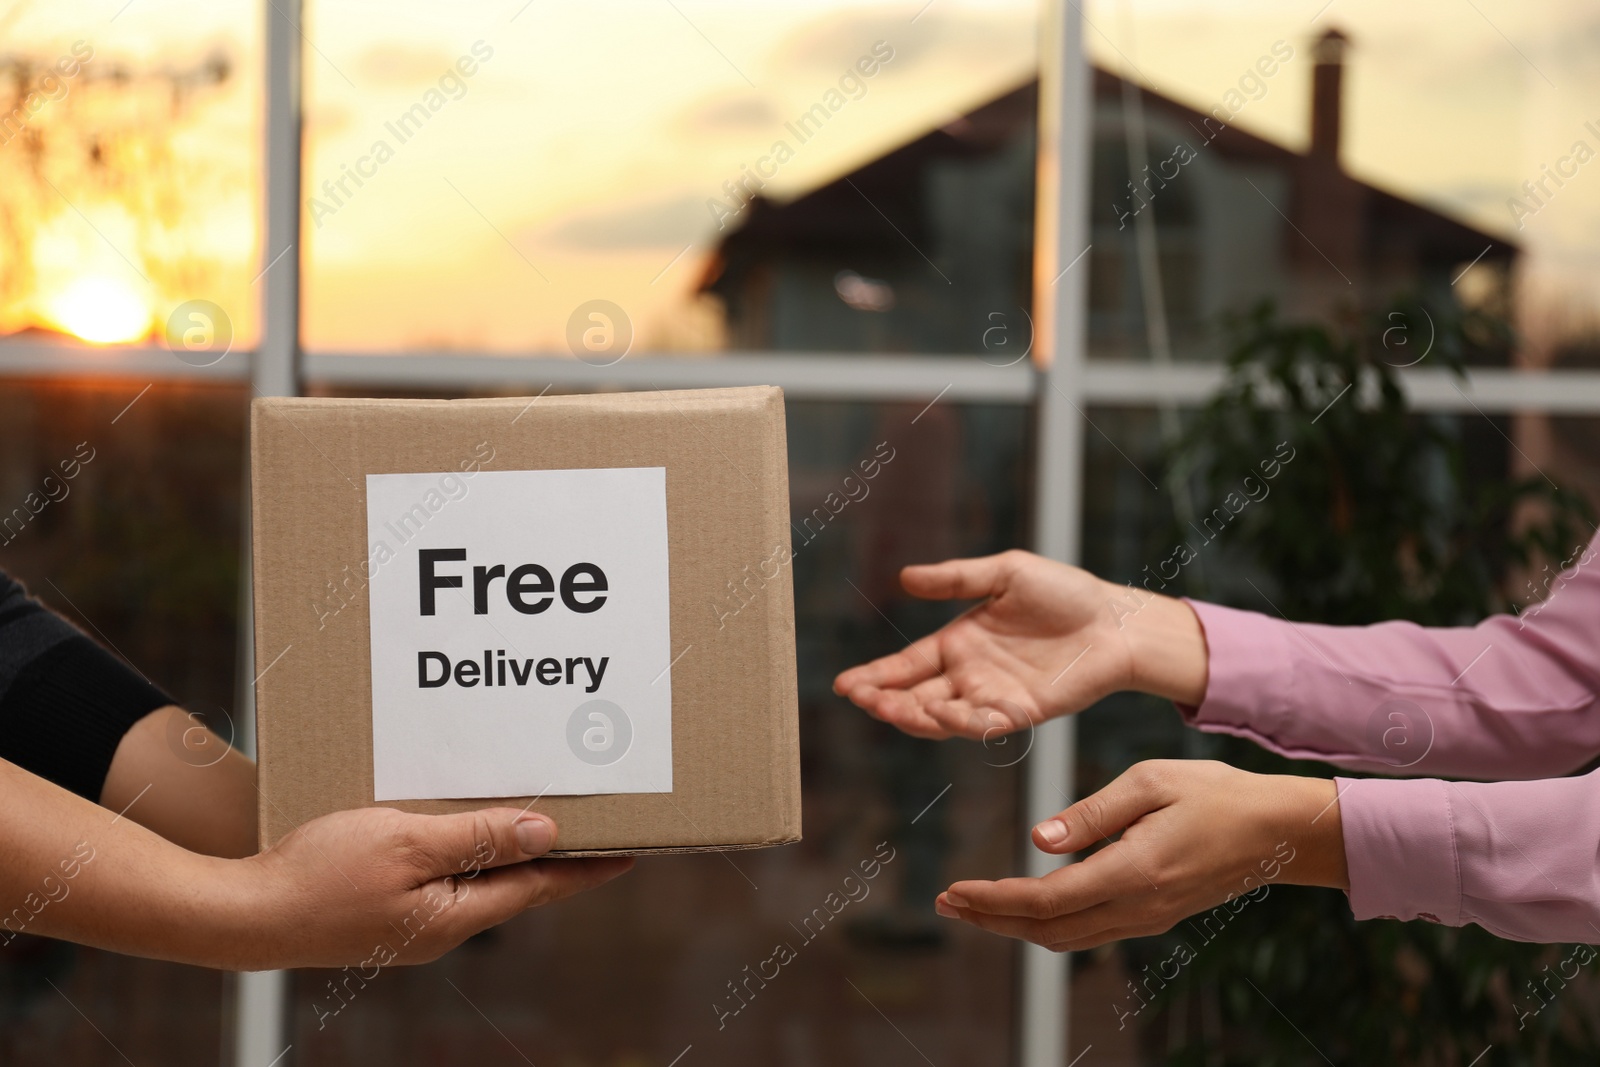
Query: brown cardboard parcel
[(734, 731)]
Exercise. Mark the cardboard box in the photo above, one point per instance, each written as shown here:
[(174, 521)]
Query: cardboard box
[(578, 604)]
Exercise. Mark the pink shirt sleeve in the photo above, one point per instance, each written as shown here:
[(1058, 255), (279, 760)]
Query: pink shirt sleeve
[(1515, 697)]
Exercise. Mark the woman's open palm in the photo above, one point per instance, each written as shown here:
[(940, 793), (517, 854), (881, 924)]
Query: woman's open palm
[(1046, 640)]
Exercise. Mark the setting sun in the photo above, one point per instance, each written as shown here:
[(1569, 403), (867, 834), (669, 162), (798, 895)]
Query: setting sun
[(100, 310)]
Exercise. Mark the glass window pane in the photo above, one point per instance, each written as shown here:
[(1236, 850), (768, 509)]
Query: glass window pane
[(1564, 448), (638, 971), (1408, 155), (130, 167), (140, 548), (777, 175)]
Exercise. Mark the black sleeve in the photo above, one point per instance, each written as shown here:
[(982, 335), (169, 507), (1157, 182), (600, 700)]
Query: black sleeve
[(65, 702)]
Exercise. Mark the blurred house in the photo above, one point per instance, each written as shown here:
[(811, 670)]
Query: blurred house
[(929, 246)]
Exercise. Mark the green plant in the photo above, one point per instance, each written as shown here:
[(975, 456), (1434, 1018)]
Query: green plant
[(1383, 514)]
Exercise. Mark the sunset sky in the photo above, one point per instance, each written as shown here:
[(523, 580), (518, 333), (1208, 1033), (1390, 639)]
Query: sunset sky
[(576, 161)]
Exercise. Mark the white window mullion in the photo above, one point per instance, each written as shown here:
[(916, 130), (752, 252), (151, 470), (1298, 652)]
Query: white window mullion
[(261, 999), (1060, 302)]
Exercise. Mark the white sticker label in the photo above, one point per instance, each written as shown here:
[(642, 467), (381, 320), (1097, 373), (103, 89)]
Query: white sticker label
[(520, 633)]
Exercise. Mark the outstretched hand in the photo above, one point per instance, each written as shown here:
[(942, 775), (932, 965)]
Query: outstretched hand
[(1196, 835), (1048, 639)]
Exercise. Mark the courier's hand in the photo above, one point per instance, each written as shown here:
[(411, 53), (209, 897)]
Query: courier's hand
[(1195, 835), (1047, 640), (352, 888)]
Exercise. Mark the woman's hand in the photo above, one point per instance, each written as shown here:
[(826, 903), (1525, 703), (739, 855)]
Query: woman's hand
[(377, 887), (1047, 640), (1195, 835)]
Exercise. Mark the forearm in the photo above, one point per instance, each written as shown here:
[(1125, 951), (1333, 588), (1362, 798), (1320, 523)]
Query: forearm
[(176, 777), (1490, 701), (1513, 697), (78, 871)]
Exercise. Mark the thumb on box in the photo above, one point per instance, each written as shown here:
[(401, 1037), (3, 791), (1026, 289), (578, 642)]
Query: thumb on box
[(469, 841)]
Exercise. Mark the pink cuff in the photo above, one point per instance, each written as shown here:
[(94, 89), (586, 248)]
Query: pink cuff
[(1399, 844), (1248, 664)]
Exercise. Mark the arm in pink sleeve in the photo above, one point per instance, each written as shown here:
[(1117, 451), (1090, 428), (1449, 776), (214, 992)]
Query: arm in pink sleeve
[(1513, 697), (1519, 859)]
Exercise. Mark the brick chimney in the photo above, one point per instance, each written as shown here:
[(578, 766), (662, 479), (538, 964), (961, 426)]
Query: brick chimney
[(1327, 77)]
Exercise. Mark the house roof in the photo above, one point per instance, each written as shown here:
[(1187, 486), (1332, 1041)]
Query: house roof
[(850, 210)]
